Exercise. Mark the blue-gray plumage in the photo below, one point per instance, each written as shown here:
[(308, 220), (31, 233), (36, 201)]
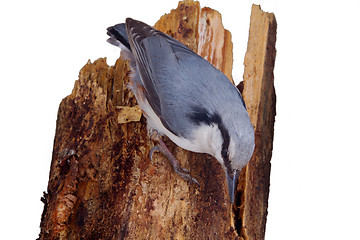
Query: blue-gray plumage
[(184, 97)]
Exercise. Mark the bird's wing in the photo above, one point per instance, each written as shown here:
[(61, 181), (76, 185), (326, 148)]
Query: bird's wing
[(181, 87)]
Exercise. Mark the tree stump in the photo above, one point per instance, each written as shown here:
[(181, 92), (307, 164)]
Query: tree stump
[(102, 183), (259, 96)]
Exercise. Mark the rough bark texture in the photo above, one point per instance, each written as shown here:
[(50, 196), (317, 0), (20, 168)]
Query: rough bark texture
[(102, 184), (259, 96)]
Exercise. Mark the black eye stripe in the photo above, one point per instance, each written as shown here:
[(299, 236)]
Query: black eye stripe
[(225, 146), (200, 115), (224, 152)]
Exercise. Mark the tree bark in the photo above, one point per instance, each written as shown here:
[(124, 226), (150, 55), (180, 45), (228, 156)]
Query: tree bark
[(259, 96), (102, 183)]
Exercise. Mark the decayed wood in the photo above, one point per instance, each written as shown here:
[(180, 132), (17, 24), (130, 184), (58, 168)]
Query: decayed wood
[(102, 184), (259, 96)]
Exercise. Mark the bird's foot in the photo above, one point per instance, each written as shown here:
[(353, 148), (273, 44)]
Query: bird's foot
[(184, 173)]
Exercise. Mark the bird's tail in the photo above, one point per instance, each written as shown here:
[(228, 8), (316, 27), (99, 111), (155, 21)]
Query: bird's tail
[(118, 36)]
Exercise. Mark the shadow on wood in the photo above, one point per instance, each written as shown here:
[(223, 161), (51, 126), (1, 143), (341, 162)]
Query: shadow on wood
[(102, 184)]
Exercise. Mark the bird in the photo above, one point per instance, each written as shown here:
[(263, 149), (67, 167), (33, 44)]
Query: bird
[(185, 98)]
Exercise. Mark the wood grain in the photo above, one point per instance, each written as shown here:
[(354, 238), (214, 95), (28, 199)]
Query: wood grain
[(259, 96), (102, 183)]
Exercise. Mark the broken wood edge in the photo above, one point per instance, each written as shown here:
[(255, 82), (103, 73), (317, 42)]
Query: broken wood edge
[(128, 114), (259, 96), (112, 100)]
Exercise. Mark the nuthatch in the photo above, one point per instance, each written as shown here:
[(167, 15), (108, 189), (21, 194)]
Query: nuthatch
[(185, 98)]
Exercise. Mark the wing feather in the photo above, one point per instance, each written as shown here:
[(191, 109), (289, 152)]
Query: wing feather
[(177, 81)]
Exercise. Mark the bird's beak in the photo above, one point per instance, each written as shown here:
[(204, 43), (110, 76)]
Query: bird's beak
[(231, 181)]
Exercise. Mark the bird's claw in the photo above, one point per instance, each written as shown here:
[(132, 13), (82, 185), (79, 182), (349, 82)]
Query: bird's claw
[(157, 148), (183, 172)]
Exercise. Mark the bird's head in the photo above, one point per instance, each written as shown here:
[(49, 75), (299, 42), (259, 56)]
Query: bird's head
[(233, 144)]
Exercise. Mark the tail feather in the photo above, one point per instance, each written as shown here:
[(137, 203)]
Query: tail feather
[(118, 35)]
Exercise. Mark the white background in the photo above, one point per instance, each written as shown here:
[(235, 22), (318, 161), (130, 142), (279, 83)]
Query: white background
[(314, 190)]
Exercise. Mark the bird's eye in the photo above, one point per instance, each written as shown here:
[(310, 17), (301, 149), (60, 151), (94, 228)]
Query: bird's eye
[(224, 153)]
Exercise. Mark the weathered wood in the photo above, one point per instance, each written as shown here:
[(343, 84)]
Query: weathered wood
[(102, 184), (259, 96)]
